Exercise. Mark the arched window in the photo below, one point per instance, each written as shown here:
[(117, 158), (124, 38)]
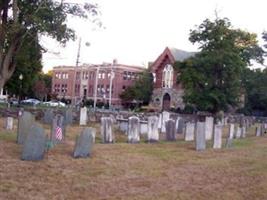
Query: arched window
[(167, 78)]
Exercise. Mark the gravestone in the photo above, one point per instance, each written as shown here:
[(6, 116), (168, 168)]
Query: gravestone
[(34, 145), (26, 120), (9, 123), (229, 143), (84, 143), (153, 131), (48, 116), (217, 139), (165, 117), (181, 126), (83, 116), (231, 131), (243, 132), (106, 130), (200, 136), (189, 131), (258, 131), (170, 130), (160, 121), (57, 132), (68, 117), (209, 127), (134, 130), (238, 132)]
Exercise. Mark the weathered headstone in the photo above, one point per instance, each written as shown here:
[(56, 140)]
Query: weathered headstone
[(160, 121), (209, 127), (217, 139), (231, 131), (57, 132), (48, 116), (106, 130), (243, 131), (83, 116), (258, 131), (34, 145), (170, 130), (229, 143), (84, 143), (200, 136), (9, 123), (134, 130), (181, 126), (26, 120), (238, 132), (165, 117), (189, 131), (153, 131), (68, 117)]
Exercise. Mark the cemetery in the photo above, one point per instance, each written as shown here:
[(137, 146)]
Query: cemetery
[(79, 154)]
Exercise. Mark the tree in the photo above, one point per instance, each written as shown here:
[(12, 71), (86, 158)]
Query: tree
[(141, 91), (26, 18), (212, 78)]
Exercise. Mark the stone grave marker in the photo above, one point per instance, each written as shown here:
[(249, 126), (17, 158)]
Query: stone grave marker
[(170, 130), (181, 126), (26, 120), (48, 116), (83, 116), (200, 136), (160, 121), (243, 132), (165, 117), (229, 143), (153, 131), (34, 145), (258, 131), (217, 139), (106, 130), (9, 123), (84, 143), (238, 132), (231, 131), (134, 130), (209, 127), (58, 129), (189, 131), (68, 117)]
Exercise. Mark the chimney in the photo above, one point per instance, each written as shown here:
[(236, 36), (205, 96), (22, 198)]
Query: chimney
[(115, 61)]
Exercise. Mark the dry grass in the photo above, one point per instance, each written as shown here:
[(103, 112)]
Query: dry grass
[(135, 171)]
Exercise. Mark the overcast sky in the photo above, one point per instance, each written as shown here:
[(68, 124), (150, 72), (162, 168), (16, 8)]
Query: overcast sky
[(137, 31)]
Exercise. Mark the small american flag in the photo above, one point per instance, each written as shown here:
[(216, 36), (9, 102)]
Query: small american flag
[(59, 135)]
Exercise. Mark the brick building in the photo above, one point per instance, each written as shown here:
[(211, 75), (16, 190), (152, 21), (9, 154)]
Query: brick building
[(167, 93), (76, 83)]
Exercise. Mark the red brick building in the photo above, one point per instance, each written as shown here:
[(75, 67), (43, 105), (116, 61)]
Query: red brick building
[(76, 83), (167, 93)]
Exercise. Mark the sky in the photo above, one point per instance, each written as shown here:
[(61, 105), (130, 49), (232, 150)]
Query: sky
[(137, 31)]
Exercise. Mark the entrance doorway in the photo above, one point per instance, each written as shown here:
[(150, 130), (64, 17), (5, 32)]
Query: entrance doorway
[(166, 104)]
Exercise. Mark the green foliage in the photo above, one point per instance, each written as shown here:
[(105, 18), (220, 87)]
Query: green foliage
[(212, 78), (141, 91)]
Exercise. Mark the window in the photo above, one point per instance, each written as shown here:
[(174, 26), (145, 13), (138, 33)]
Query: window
[(124, 75), (167, 77), (123, 88)]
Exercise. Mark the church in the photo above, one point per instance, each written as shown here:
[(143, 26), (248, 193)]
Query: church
[(167, 93)]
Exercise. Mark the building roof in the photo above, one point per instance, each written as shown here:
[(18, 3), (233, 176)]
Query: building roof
[(181, 55)]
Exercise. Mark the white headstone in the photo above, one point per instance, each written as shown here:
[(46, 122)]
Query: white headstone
[(231, 131), (165, 118), (189, 131), (209, 127), (9, 123), (134, 130), (217, 139), (258, 131), (106, 130), (243, 132), (153, 131), (83, 116), (160, 121), (200, 136), (238, 132)]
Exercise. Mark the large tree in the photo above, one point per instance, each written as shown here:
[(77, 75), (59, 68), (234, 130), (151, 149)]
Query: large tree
[(26, 18), (212, 78)]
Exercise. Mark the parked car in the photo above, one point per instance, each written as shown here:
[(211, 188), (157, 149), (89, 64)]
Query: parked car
[(30, 102), (54, 104), (13, 101)]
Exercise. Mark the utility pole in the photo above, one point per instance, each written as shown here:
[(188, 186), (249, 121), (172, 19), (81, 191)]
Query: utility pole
[(112, 75), (95, 92)]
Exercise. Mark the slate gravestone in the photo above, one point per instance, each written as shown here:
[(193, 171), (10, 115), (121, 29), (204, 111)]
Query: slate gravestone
[(258, 131), (83, 116), (34, 145), (217, 139), (134, 130), (243, 132), (48, 116), (200, 136), (106, 130), (26, 120), (209, 127), (165, 117), (238, 132), (9, 123), (170, 130), (189, 131), (181, 126), (57, 132), (68, 117), (231, 131), (84, 143), (153, 131)]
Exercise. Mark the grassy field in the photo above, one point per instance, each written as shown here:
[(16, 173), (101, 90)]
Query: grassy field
[(166, 170)]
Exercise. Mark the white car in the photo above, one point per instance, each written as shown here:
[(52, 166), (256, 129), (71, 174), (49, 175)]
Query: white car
[(54, 104), (30, 101)]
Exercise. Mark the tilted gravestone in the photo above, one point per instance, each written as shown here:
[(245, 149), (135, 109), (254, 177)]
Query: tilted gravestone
[(170, 130), (165, 117), (217, 139), (57, 132), (83, 116), (34, 145), (9, 123), (48, 116), (133, 130), (26, 120), (189, 131), (238, 132), (106, 130), (84, 143), (153, 131), (231, 131), (200, 136), (209, 127)]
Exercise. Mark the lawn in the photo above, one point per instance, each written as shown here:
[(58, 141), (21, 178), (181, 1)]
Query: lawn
[(166, 170)]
